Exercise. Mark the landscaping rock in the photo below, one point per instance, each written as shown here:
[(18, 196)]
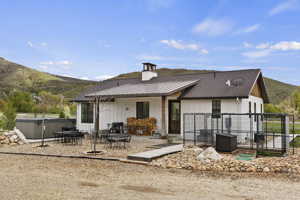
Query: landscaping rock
[(209, 155), (14, 137), (210, 160), (266, 169), (20, 135)]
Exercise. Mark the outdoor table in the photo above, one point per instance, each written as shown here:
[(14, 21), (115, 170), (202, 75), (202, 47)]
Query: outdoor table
[(114, 138), (69, 136)]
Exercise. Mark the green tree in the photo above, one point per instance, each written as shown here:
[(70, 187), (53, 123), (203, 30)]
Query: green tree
[(21, 101), (270, 108), (296, 101)]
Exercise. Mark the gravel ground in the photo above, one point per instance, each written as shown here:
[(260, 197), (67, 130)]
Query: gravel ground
[(34, 178), (137, 144)]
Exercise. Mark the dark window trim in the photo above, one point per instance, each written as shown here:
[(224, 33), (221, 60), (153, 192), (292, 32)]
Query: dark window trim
[(87, 113), (216, 105), (145, 112)]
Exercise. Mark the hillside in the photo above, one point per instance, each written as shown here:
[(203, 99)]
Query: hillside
[(278, 91), (15, 76)]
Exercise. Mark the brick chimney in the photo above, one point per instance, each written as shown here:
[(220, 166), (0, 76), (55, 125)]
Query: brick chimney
[(149, 71)]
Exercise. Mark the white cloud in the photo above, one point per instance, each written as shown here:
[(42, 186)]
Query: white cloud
[(256, 54), (84, 78), (183, 46), (284, 6), (103, 77), (44, 67), (64, 64), (47, 63), (150, 57), (69, 75), (29, 43), (214, 27), (154, 5), (263, 45), (36, 45), (286, 45), (248, 29), (247, 45), (280, 46), (267, 48)]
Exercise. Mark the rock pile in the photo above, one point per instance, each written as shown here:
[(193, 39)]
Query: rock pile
[(209, 155), (13, 137), (209, 160)]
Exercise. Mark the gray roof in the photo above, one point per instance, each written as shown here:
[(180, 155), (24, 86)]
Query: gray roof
[(193, 86), (145, 89)]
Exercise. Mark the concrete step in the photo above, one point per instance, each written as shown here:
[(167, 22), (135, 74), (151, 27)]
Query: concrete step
[(148, 156)]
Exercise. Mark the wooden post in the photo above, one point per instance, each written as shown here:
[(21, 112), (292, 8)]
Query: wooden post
[(163, 115), (96, 132)]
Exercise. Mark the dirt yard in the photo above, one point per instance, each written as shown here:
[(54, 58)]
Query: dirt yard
[(137, 144), (34, 178)]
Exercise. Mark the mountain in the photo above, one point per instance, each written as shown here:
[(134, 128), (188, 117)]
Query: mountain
[(277, 91), (15, 76)]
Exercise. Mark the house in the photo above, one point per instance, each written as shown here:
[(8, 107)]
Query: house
[(167, 98)]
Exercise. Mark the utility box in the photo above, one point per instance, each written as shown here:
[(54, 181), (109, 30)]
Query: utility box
[(226, 142)]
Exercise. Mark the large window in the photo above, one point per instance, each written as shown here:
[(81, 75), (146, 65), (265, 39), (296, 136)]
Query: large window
[(87, 113), (216, 108), (142, 110)]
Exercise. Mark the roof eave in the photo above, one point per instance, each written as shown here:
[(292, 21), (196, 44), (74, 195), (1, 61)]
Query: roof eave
[(218, 97)]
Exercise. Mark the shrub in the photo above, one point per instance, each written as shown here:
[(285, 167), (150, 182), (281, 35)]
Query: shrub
[(10, 114), (136, 124), (2, 121), (62, 115)]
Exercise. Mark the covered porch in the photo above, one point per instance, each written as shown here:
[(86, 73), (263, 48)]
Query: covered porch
[(160, 101)]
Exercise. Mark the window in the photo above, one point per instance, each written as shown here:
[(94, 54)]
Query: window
[(142, 110), (216, 108), (87, 113), (261, 108)]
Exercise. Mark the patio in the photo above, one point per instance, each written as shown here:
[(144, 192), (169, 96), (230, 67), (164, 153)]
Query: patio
[(137, 144)]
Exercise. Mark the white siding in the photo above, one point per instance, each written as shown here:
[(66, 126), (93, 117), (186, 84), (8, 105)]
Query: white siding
[(124, 108), (205, 106), (245, 109)]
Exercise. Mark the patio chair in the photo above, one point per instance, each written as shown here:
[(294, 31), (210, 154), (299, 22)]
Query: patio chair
[(117, 127), (103, 135)]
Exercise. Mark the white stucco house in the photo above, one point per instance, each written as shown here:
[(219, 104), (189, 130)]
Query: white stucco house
[(167, 98)]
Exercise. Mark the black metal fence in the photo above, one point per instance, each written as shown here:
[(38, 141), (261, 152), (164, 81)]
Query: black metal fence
[(264, 132)]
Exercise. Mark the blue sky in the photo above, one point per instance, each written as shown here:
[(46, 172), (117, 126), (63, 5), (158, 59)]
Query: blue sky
[(97, 39)]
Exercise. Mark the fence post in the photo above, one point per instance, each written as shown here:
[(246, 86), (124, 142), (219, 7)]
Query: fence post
[(286, 133), (222, 123), (293, 134)]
